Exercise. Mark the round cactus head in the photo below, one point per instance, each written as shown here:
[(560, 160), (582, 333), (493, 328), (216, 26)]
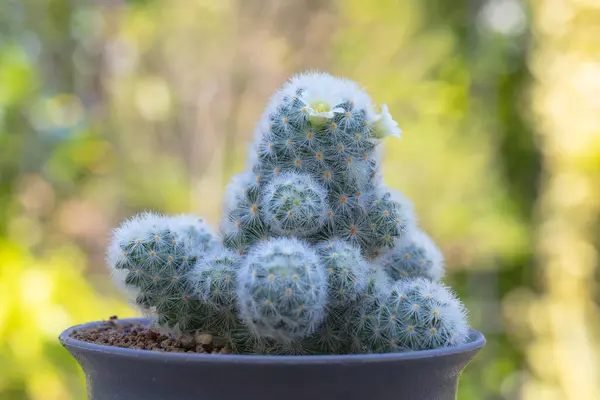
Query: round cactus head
[(243, 220), (294, 204), (282, 289), (430, 315), (416, 314), (214, 281), (420, 257), (347, 271)]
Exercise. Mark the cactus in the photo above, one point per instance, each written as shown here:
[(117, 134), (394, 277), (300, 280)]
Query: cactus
[(347, 271), (152, 256), (419, 258), (214, 280), (282, 289), (327, 128), (418, 315), (294, 204), (243, 222), (315, 254)]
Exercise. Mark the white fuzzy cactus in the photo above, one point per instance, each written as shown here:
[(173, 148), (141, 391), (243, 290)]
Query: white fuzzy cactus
[(420, 257), (316, 255), (327, 128), (347, 271), (294, 204), (153, 256), (418, 314), (243, 223), (282, 289)]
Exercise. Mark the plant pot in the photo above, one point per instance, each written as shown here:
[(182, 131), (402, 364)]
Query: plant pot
[(129, 374)]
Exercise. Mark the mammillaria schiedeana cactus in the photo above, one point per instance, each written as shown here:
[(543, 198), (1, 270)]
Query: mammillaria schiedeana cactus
[(418, 257), (315, 255), (282, 289)]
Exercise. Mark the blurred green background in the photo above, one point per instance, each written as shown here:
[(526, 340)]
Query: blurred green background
[(109, 108)]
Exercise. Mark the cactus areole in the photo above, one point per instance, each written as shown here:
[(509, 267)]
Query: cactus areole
[(317, 271)]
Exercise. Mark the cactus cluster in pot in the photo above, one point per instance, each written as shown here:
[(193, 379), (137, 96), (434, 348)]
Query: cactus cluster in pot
[(314, 255)]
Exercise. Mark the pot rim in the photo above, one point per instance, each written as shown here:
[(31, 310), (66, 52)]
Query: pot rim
[(477, 342)]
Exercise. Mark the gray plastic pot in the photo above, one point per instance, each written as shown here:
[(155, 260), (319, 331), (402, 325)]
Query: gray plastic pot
[(129, 374)]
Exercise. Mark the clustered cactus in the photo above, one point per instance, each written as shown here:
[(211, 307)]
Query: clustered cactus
[(315, 255)]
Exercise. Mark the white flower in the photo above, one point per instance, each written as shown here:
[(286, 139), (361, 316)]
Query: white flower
[(320, 103), (321, 93), (385, 124)]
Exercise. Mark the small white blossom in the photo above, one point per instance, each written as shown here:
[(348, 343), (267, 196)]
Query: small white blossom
[(385, 124), (320, 104), (321, 93)]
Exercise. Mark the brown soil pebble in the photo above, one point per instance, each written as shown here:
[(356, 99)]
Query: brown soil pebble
[(135, 336)]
